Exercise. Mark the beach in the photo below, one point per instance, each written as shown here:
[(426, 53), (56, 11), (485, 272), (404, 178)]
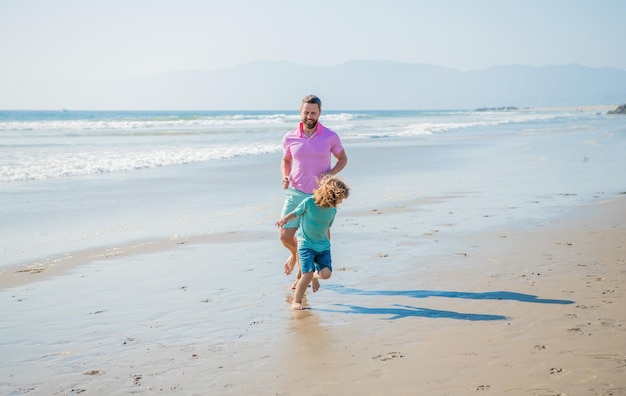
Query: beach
[(473, 263)]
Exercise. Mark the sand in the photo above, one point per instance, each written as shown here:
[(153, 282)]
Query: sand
[(431, 294)]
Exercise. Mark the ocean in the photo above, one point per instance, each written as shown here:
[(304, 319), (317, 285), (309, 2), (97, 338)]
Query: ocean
[(71, 180), (44, 145)]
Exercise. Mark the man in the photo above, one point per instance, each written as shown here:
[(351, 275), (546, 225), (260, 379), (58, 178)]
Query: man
[(307, 156)]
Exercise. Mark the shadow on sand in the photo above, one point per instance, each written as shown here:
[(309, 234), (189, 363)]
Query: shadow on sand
[(397, 311)]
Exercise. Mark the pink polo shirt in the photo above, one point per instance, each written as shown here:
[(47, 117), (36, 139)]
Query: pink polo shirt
[(310, 156)]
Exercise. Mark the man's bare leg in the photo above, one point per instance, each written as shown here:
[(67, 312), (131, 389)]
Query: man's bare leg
[(295, 282), (301, 286), (288, 238)]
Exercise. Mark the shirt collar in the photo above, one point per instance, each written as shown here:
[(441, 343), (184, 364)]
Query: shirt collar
[(318, 129)]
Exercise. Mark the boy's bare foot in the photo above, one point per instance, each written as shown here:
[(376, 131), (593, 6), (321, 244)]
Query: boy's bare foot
[(289, 265), (296, 306), (315, 285)]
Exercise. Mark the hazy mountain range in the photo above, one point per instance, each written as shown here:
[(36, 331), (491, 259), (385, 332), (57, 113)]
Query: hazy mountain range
[(353, 85)]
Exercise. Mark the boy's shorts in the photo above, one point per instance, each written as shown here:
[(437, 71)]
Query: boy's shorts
[(310, 260), (293, 198)]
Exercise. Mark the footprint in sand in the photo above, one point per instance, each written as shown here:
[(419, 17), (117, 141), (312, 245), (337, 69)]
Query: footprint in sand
[(388, 356), (576, 330), (33, 270)]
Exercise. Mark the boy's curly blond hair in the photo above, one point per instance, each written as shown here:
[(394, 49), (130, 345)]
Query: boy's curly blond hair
[(330, 190)]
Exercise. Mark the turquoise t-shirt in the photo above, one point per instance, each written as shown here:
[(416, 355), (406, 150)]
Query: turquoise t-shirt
[(314, 224)]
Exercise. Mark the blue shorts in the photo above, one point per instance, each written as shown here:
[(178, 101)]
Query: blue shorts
[(310, 260), (293, 198)]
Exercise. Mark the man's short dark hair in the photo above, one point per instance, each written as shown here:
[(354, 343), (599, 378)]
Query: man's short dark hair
[(312, 99)]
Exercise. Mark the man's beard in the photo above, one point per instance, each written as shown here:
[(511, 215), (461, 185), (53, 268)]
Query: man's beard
[(310, 124)]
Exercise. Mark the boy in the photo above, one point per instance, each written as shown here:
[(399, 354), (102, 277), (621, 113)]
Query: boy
[(317, 214)]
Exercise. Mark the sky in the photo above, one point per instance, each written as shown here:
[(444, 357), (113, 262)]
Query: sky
[(89, 40)]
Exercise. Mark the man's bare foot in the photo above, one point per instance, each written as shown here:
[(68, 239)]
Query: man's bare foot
[(295, 283), (289, 265), (315, 285), (296, 306)]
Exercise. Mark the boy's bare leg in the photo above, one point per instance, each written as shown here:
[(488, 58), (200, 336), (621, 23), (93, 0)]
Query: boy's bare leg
[(301, 286), (325, 273), (315, 283)]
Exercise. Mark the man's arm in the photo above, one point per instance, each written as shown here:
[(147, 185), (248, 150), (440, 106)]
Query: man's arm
[(285, 169), (342, 161)]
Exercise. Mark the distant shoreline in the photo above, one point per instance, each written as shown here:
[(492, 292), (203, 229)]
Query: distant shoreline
[(587, 108), (600, 108)]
